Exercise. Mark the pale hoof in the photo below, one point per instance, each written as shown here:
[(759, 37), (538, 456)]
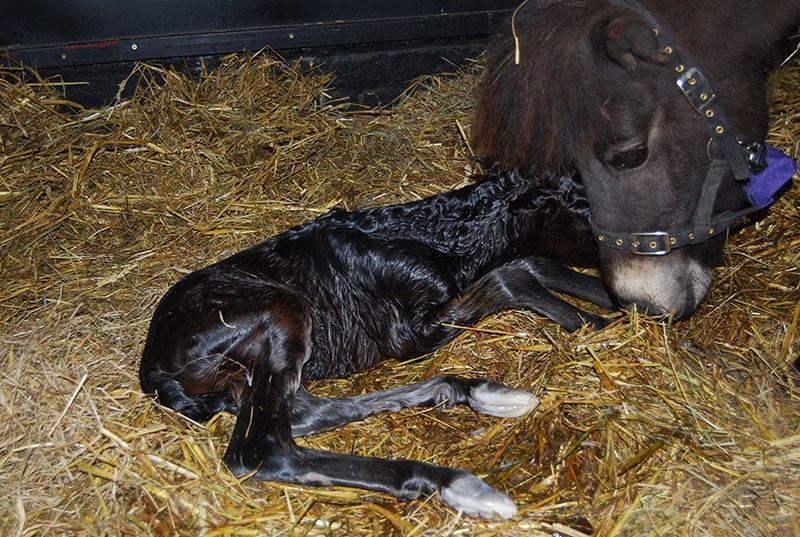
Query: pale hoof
[(475, 498), (501, 401)]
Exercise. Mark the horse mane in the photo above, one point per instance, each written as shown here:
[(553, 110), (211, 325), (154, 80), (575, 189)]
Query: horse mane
[(547, 111), (540, 113)]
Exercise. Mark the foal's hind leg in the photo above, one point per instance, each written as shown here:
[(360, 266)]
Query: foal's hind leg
[(262, 442), (315, 414)]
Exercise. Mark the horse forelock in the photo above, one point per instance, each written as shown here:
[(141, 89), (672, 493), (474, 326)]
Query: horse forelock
[(547, 111), (543, 112)]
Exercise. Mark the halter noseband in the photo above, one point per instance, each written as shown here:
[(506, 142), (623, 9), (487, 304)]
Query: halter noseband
[(743, 160)]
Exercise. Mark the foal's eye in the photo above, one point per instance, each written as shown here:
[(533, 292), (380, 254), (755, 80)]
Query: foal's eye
[(631, 157)]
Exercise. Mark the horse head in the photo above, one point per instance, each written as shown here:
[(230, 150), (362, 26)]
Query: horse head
[(658, 113)]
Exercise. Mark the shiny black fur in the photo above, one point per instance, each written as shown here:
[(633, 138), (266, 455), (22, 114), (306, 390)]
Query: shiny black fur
[(332, 297)]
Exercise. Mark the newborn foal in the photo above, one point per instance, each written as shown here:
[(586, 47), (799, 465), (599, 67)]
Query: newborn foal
[(332, 297)]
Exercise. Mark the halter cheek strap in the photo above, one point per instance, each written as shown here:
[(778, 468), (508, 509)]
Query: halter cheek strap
[(699, 93), (742, 160)]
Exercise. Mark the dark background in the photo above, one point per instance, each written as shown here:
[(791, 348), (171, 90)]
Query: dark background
[(375, 47)]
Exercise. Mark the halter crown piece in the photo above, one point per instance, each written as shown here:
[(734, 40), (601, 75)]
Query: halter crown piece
[(762, 169)]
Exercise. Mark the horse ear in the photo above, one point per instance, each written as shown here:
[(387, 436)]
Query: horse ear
[(628, 40)]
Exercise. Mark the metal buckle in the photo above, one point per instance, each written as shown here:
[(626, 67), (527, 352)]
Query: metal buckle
[(696, 88), (654, 243), (756, 155)]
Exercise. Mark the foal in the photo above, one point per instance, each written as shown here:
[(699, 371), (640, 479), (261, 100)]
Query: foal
[(332, 297)]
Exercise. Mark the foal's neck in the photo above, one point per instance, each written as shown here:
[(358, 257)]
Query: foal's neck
[(477, 221)]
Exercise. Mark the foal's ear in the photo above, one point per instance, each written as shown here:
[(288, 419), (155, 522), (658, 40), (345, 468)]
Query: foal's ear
[(628, 40)]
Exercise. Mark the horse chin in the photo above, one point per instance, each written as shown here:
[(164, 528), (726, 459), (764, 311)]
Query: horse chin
[(662, 286)]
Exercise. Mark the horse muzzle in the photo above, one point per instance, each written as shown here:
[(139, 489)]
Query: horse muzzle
[(671, 286)]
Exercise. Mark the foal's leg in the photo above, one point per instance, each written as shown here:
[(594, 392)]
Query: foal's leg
[(262, 443), (557, 277), (515, 285), (315, 414)]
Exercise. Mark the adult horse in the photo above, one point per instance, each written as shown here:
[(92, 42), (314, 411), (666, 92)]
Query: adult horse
[(656, 112)]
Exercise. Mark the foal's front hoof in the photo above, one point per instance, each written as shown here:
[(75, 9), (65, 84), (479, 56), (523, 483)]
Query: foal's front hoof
[(596, 322), (475, 498), (499, 400)]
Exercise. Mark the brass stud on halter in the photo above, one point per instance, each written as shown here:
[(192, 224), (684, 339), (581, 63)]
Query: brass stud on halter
[(740, 159)]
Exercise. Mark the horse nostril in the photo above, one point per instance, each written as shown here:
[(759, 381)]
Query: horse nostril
[(676, 309), (651, 310), (663, 307), (659, 313)]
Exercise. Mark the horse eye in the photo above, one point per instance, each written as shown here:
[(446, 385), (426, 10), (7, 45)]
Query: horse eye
[(630, 158)]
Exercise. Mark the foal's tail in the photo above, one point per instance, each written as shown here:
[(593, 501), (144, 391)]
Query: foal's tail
[(171, 393)]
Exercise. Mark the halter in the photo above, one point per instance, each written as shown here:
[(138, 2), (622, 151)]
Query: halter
[(748, 163)]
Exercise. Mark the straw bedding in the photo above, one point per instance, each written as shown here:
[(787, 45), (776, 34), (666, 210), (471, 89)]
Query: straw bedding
[(644, 429)]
